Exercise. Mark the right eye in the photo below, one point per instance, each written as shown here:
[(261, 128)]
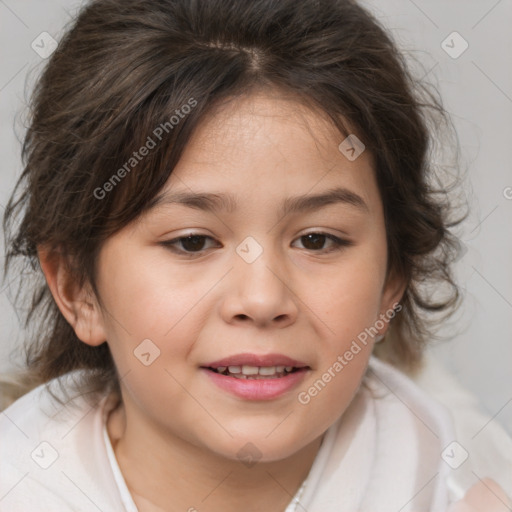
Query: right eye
[(188, 245)]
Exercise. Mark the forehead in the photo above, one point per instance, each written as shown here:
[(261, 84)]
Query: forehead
[(265, 146), (270, 124)]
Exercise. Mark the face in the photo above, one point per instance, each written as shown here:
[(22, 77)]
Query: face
[(266, 241)]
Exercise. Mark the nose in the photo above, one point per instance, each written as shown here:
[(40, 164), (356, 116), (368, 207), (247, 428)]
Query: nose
[(260, 293)]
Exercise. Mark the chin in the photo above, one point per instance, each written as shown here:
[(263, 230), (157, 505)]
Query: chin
[(250, 449)]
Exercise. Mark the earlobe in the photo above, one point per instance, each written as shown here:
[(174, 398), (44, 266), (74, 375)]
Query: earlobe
[(77, 303), (392, 294), (394, 290)]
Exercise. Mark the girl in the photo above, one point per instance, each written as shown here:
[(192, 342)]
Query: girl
[(228, 204)]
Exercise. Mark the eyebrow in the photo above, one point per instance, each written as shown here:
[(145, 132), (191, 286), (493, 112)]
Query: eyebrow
[(215, 202)]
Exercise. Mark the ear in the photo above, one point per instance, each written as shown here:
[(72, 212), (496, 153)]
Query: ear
[(392, 294), (78, 304)]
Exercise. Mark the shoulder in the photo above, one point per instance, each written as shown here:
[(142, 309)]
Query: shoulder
[(52, 453), (481, 447), (472, 445), (43, 413)]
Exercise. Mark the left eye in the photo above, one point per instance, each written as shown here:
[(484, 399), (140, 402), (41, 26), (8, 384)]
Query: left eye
[(316, 241)]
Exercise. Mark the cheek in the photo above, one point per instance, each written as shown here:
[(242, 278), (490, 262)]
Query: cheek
[(348, 303), (348, 298), (145, 293), (148, 302)]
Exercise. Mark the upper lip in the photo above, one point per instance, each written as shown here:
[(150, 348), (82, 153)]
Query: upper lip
[(256, 360)]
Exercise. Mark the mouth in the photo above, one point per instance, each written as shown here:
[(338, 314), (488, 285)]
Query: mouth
[(256, 366), (256, 377), (256, 372)]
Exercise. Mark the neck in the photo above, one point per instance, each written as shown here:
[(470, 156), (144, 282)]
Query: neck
[(160, 470)]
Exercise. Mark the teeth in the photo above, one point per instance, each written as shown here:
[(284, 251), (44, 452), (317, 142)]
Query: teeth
[(247, 371), (270, 370)]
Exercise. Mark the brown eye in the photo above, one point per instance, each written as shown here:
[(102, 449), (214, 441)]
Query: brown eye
[(188, 245), (316, 242), (193, 243)]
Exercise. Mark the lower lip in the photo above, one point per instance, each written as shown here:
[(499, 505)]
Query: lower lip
[(257, 389)]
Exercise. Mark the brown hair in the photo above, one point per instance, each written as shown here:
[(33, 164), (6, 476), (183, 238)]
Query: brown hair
[(126, 66)]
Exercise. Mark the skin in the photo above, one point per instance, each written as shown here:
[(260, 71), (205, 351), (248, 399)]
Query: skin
[(175, 435), (484, 496)]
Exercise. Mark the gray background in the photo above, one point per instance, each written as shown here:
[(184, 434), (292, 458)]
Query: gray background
[(477, 91)]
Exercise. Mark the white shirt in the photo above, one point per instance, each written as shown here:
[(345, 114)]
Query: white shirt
[(374, 458)]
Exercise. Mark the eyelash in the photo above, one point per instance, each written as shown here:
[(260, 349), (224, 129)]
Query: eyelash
[(339, 244)]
